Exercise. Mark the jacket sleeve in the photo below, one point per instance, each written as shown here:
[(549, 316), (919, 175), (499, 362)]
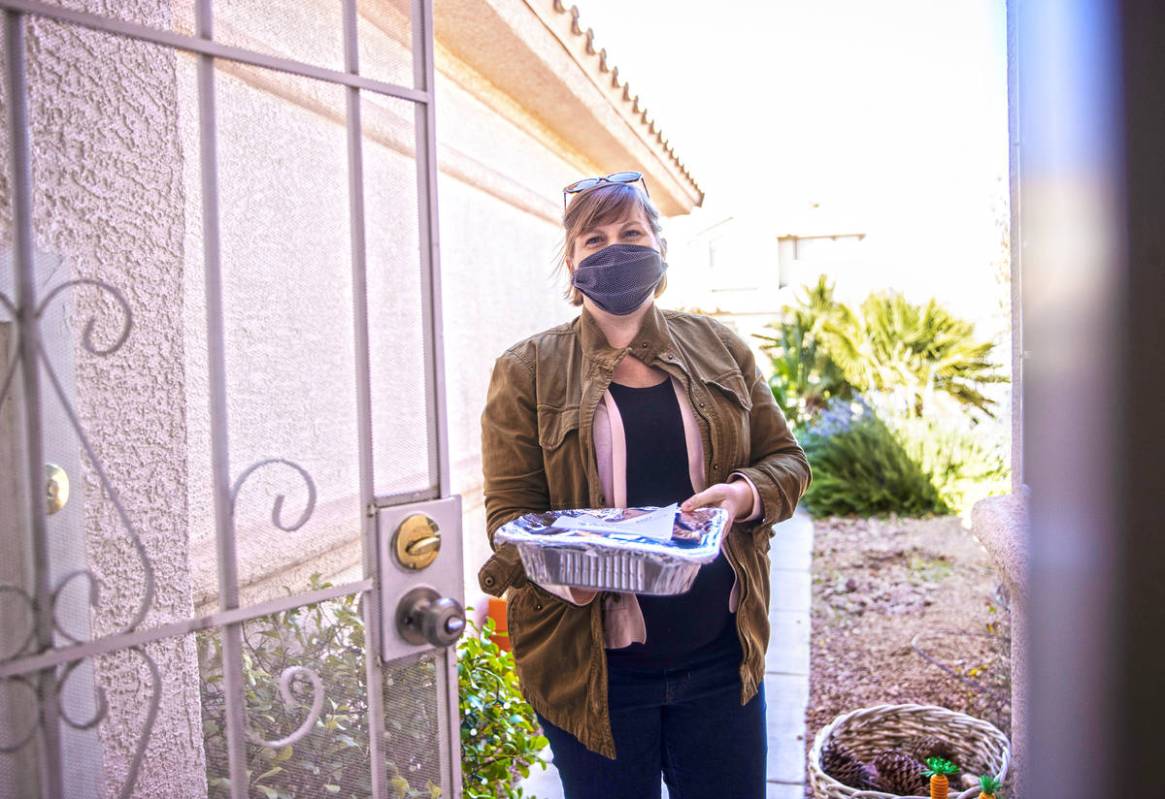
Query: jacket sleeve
[(511, 458), (514, 478), (777, 466)]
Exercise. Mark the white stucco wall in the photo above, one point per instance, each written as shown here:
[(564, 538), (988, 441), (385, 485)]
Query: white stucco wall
[(108, 205)]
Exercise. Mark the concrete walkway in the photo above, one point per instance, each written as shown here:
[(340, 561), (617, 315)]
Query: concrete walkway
[(786, 668)]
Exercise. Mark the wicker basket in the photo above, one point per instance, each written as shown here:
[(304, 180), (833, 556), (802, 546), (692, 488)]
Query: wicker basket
[(979, 747)]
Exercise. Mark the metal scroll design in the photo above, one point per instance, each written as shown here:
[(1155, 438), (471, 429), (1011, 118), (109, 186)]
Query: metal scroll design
[(30, 606), (277, 506), (46, 687), (106, 483), (291, 672), (317, 706), (22, 738), (87, 342)]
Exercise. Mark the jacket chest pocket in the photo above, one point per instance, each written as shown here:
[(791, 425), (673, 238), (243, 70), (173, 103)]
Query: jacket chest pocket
[(558, 437), (730, 395)]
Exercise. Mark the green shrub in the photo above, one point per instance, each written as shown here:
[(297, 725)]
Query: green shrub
[(500, 736), (332, 759), (918, 375), (499, 733), (860, 467), (962, 466)]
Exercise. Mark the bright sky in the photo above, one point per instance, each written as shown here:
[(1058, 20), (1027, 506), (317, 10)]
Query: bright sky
[(891, 115)]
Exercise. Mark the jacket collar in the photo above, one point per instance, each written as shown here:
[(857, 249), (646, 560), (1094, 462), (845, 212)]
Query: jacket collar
[(652, 341)]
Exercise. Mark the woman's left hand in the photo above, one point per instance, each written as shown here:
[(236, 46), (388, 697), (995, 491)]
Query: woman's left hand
[(734, 497)]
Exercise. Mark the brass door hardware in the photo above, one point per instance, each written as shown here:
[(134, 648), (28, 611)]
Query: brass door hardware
[(58, 487), (417, 541)]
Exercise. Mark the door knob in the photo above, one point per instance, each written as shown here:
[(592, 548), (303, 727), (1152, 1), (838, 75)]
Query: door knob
[(425, 617)]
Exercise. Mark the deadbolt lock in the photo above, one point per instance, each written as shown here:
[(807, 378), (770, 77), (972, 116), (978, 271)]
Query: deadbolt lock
[(58, 487), (417, 541)]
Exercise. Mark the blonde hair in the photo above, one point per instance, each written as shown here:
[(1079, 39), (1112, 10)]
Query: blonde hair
[(606, 203)]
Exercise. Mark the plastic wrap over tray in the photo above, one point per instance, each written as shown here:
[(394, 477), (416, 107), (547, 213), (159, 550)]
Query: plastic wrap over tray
[(610, 560)]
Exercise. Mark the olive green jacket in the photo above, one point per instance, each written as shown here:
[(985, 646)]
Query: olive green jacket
[(538, 454)]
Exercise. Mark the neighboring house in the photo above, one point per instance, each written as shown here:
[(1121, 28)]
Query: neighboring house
[(742, 268)]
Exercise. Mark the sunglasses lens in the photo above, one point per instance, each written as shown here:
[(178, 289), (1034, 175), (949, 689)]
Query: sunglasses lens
[(624, 177), (582, 185)]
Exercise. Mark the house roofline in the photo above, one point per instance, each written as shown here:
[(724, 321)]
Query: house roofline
[(536, 51)]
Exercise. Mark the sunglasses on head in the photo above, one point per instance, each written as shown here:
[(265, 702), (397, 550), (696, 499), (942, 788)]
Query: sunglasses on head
[(590, 183)]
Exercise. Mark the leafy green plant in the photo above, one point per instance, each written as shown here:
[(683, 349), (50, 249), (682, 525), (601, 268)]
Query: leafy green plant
[(859, 467), (920, 376), (821, 349), (895, 346), (805, 377), (332, 758), (500, 735), (962, 466)]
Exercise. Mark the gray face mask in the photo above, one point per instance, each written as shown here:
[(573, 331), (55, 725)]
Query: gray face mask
[(619, 278)]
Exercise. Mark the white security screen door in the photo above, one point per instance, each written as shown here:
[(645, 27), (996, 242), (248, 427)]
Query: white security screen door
[(230, 565)]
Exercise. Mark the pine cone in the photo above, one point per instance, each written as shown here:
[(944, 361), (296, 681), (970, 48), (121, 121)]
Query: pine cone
[(899, 773), (837, 762), (929, 746)]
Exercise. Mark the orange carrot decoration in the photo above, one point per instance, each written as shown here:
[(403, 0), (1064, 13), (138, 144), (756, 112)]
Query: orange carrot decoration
[(938, 771), (988, 786)]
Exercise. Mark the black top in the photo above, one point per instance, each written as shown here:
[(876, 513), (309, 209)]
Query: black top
[(695, 624)]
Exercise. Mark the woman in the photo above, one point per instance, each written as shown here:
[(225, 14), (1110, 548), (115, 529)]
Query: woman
[(628, 405)]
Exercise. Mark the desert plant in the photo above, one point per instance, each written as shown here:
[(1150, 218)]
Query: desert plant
[(961, 463), (805, 377), (860, 467), (821, 348), (917, 350)]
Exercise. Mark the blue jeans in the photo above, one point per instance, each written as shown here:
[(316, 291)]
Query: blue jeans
[(686, 723)]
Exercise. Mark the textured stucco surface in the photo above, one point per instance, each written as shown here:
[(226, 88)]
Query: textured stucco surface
[(108, 203)]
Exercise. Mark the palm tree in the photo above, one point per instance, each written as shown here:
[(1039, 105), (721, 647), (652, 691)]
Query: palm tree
[(805, 377), (824, 348)]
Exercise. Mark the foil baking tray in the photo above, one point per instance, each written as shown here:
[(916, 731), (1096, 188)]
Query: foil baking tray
[(611, 556)]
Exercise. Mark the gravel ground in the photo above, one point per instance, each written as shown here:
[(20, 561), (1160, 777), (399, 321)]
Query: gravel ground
[(879, 582)]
